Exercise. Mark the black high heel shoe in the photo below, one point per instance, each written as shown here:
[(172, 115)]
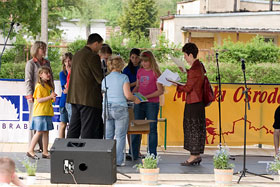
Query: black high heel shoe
[(196, 161)]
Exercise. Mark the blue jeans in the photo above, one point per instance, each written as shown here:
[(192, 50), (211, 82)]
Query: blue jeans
[(150, 112), (69, 110), (116, 125)]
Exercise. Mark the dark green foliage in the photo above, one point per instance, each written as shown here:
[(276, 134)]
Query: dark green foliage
[(255, 51), (54, 56), (163, 48), (122, 46), (28, 14), (76, 45), (12, 70), (137, 17), (111, 11), (267, 73), (17, 53)]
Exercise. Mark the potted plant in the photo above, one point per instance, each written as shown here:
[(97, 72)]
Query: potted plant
[(223, 169), (149, 169), (30, 168), (275, 165)]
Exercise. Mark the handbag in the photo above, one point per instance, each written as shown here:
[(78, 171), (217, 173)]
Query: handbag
[(208, 93)]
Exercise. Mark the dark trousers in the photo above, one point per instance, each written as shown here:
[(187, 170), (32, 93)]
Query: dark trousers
[(86, 122)]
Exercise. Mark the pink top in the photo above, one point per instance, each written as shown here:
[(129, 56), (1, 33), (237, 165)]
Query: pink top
[(147, 83)]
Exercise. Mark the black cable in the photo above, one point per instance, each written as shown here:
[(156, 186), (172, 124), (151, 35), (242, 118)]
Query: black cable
[(5, 44)]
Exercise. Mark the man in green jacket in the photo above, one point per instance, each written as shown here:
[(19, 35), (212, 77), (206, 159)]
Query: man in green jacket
[(84, 92)]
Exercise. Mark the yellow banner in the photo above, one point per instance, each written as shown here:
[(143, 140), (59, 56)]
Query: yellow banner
[(263, 101)]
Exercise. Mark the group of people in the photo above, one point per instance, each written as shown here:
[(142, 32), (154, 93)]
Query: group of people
[(93, 76)]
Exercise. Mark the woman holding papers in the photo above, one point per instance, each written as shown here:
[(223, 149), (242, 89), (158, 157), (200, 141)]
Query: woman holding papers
[(194, 114), (148, 86), (118, 90)]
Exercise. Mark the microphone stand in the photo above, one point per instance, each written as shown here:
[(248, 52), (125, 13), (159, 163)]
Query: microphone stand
[(5, 44), (105, 108), (245, 170), (218, 78), (105, 105)]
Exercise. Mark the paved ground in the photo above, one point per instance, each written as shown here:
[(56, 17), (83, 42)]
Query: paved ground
[(171, 172)]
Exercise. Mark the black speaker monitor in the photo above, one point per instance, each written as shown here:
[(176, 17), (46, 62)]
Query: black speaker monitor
[(83, 161)]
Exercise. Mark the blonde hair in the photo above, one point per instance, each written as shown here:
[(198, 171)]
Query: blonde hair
[(44, 69), (7, 166), (115, 63), (35, 47), (148, 56)]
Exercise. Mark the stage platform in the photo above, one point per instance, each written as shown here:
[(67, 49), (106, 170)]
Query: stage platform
[(171, 172)]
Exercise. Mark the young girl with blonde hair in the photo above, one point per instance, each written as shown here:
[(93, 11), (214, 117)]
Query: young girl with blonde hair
[(118, 91), (43, 96), (148, 86)]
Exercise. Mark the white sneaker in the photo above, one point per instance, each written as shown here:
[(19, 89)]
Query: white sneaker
[(121, 165)]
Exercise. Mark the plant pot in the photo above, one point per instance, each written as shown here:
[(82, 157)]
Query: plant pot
[(149, 176), (223, 177), (30, 180)]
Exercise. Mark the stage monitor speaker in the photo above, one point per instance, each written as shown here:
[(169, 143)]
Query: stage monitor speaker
[(83, 161)]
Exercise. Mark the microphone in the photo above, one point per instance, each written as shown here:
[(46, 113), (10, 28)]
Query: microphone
[(243, 64)]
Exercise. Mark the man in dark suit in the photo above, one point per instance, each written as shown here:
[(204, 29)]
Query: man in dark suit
[(84, 92)]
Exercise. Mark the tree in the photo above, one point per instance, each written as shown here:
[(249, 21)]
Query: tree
[(44, 21), (165, 6), (28, 14), (138, 16), (111, 11)]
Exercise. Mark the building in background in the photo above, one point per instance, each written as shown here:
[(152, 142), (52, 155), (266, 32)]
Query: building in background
[(73, 29), (205, 22)]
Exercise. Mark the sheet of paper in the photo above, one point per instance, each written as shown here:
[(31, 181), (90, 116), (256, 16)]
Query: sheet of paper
[(178, 62), (167, 74), (175, 82)]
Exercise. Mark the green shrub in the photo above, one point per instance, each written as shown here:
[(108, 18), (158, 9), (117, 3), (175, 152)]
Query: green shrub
[(163, 49), (275, 166), (12, 70), (122, 46), (149, 162), (266, 73), (253, 52), (221, 159), (76, 45)]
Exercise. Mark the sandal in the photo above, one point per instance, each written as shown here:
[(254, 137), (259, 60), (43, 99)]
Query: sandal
[(196, 161), (46, 156), (35, 157)]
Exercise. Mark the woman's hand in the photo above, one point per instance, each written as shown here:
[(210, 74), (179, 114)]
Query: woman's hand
[(137, 101), (180, 88), (65, 91), (181, 69), (53, 96)]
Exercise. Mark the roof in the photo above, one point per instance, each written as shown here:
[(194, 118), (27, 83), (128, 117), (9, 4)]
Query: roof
[(228, 14), (229, 29), (186, 1), (92, 20)]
